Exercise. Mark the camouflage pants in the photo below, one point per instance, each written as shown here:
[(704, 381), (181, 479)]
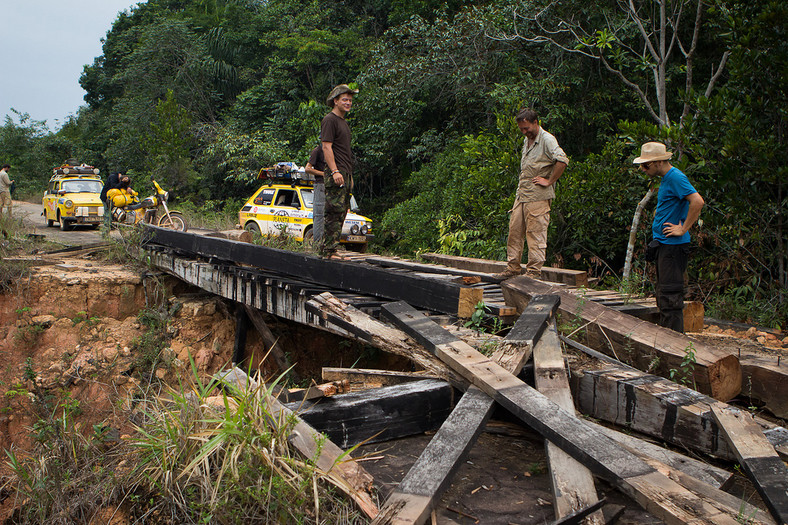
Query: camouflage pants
[(337, 204)]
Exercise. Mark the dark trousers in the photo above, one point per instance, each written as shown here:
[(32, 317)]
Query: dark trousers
[(671, 265)]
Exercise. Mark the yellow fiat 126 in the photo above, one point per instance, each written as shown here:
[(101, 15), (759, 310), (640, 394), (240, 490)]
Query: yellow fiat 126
[(73, 197), (283, 205)]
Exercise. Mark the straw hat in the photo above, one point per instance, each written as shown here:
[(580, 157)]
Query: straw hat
[(651, 151), (339, 90)]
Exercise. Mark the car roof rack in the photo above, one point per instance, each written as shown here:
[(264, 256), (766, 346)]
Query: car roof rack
[(68, 170), (287, 173)]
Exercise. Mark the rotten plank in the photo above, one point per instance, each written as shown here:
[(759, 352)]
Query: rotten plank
[(645, 345), (413, 500), (655, 492), (431, 294), (757, 457)]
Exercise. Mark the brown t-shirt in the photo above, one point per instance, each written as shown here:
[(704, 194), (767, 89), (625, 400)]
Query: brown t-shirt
[(335, 130), (317, 161)]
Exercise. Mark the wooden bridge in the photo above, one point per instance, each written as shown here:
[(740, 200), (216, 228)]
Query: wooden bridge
[(399, 306)]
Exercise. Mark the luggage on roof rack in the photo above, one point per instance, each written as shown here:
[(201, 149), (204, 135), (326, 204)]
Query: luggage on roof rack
[(288, 172), (82, 169)]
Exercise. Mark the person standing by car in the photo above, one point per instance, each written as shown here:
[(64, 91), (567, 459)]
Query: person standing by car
[(541, 165), (113, 182), (5, 189), (678, 207), (338, 179), (316, 166)]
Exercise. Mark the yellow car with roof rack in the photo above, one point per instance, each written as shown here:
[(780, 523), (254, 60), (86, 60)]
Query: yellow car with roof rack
[(283, 204), (73, 197)]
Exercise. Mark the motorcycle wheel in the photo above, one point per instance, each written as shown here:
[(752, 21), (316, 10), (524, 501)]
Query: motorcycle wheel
[(175, 221)]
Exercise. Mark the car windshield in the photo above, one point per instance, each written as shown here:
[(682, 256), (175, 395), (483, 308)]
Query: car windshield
[(82, 186), (307, 196)]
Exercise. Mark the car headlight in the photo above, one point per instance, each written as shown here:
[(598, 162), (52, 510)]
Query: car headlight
[(364, 230), (68, 204), (354, 229)]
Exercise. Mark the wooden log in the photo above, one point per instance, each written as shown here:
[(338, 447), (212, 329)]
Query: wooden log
[(348, 475), (655, 492), (657, 407), (757, 457), (379, 414), (765, 379), (233, 235), (557, 275), (572, 483), (362, 379), (414, 498), (644, 345), (331, 389), (431, 294), (388, 262)]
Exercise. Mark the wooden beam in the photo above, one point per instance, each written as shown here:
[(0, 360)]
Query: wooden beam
[(556, 275), (766, 379), (389, 262), (413, 500), (655, 492), (350, 476), (379, 414), (657, 407), (431, 294), (362, 378), (757, 457), (572, 483), (642, 344)]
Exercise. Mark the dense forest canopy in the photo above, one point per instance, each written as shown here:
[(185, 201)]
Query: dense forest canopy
[(202, 93)]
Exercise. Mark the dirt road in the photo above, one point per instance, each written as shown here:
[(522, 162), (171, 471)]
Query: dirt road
[(35, 223)]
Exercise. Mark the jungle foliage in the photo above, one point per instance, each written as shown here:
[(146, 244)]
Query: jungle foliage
[(205, 92)]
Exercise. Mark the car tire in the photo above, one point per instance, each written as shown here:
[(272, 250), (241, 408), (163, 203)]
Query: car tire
[(253, 228), (64, 226), (50, 222), (309, 236)]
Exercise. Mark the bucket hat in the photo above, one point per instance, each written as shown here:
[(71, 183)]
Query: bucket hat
[(339, 90), (651, 151)]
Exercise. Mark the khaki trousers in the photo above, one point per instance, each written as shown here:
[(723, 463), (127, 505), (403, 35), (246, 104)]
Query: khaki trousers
[(529, 222)]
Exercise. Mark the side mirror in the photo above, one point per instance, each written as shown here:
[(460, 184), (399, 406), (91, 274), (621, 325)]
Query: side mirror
[(61, 192)]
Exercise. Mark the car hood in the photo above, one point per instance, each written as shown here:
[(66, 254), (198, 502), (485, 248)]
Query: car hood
[(83, 199)]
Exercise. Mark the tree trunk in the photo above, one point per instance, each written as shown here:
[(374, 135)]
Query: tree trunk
[(633, 234)]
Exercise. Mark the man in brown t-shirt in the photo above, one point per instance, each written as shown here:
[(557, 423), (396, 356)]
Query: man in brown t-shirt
[(338, 179)]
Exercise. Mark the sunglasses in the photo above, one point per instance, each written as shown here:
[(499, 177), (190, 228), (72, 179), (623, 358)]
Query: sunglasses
[(645, 165)]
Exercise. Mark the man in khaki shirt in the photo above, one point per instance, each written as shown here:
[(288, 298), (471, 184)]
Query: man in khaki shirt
[(5, 189), (542, 164)]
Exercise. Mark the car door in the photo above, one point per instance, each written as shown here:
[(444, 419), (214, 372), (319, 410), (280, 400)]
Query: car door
[(285, 212)]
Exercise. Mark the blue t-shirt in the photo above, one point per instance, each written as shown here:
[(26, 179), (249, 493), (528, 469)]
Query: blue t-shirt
[(672, 205)]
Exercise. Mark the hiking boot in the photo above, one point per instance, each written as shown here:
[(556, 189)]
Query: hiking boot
[(506, 274)]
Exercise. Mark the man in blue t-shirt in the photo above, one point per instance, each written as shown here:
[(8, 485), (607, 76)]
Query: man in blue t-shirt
[(678, 207)]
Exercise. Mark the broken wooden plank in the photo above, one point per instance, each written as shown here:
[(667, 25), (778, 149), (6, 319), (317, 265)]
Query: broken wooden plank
[(757, 457), (379, 414), (362, 378), (331, 389), (355, 277), (572, 483), (657, 407), (557, 275), (414, 498), (655, 492), (327, 308), (349, 476), (642, 344)]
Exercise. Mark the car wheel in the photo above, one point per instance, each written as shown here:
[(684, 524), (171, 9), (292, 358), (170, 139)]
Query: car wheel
[(309, 236), (50, 222), (63, 224), (253, 228)]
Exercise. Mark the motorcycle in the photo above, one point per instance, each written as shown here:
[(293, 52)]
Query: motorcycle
[(150, 210)]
